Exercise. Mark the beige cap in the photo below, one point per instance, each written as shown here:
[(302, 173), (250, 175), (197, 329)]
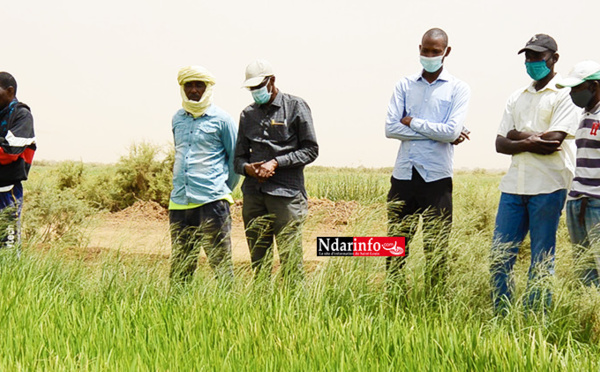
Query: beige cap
[(586, 70), (256, 72)]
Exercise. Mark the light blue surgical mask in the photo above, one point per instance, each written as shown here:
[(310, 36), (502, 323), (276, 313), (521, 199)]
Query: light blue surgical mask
[(261, 95), (432, 64), (537, 70)]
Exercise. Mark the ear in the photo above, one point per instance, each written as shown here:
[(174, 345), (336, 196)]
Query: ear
[(448, 49), (11, 92), (555, 57)]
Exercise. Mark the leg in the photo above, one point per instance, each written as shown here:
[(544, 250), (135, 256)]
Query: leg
[(259, 231), (402, 221), (592, 255), (436, 199), (215, 230), (544, 214), (290, 214), (511, 227), (11, 205), (184, 245), (578, 233)]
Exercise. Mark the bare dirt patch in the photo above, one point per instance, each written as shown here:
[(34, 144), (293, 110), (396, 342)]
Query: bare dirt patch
[(144, 228)]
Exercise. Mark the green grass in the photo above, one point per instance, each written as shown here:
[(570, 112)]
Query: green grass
[(63, 309)]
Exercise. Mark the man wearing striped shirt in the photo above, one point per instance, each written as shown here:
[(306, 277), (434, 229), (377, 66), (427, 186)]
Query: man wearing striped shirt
[(583, 205), (17, 146)]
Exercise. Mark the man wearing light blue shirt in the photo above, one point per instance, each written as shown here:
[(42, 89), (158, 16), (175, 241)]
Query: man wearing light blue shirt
[(203, 179), (426, 113)]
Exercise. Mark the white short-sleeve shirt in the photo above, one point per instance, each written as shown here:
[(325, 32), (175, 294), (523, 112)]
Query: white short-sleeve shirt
[(547, 110)]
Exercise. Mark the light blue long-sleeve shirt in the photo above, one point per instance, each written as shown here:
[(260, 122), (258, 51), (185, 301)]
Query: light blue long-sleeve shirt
[(204, 148), (438, 112)]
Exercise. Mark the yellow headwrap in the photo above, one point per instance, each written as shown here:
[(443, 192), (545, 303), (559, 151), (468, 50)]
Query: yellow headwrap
[(196, 73)]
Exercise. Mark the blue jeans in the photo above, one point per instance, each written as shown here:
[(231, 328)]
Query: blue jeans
[(11, 204), (517, 215), (584, 230)]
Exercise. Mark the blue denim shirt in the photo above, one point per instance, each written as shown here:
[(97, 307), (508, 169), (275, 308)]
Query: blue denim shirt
[(204, 147), (438, 111)]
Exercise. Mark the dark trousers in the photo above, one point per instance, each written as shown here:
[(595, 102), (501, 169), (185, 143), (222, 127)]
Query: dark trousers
[(267, 217), (407, 202), (11, 204), (208, 226)]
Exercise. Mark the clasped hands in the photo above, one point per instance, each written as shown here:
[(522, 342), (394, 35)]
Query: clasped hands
[(261, 170), (535, 142)]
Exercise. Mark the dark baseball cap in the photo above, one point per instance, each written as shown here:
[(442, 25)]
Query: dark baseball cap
[(540, 43)]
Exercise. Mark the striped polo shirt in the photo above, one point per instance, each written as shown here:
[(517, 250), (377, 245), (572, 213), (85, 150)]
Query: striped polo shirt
[(587, 171)]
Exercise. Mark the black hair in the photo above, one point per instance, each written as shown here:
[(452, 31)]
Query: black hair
[(436, 33), (7, 80)]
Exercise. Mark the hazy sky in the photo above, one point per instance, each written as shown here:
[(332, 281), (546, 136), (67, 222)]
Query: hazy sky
[(100, 76)]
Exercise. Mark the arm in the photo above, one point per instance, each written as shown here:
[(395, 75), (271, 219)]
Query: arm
[(19, 137), (228, 137), (450, 130), (543, 144), (393, 126), (308, 149), (510, 141), (241, 155)]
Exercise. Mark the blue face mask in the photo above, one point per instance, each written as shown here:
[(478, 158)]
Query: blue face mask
[(261, 95), (537, 70)]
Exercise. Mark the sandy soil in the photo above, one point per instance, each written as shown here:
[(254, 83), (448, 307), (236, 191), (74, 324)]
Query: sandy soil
[(143, 228)]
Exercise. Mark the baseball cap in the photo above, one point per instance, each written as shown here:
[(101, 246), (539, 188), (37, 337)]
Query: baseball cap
[(540, 43), (586, 70), (256, 72)]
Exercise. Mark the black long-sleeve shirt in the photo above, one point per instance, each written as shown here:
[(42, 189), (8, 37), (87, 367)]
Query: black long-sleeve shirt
[(282, 131)]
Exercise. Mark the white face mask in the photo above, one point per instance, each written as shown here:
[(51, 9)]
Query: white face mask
[(432, 64)]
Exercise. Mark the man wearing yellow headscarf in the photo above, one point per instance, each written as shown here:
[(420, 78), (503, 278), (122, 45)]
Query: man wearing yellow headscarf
[(203, 179)]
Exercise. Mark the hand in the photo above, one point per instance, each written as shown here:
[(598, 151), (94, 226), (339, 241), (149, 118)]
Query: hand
[(267, 169), (406, 120), (462, 137), (538, 145), (251, 169)]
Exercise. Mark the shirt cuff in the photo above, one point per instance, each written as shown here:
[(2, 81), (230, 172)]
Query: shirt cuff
[(281, 161)]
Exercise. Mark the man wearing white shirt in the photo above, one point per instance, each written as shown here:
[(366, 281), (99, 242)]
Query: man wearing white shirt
[(537, 130), (426, 113)]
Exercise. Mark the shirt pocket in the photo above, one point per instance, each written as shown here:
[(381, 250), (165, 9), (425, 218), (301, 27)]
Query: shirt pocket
[(441, 112), (279, 133), (208, 135), (278, 128), (543, 116)]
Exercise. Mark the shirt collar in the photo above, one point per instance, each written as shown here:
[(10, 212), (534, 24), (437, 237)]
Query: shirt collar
[(551, 85), (7, 109), (444, 76), (595, 110), (278, 101)]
